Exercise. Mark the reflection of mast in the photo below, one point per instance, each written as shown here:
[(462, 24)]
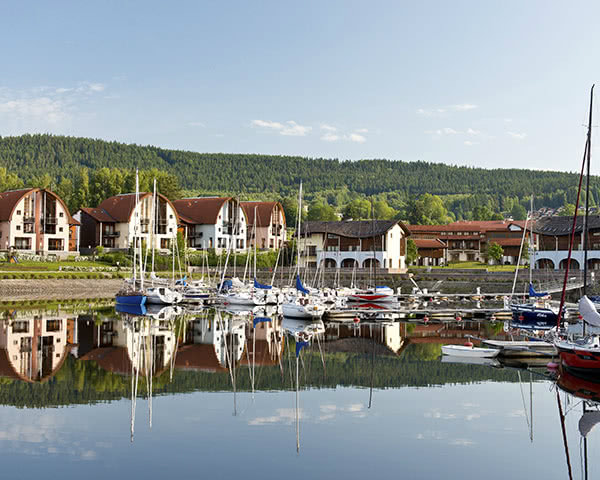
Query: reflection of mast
[(564, 433)]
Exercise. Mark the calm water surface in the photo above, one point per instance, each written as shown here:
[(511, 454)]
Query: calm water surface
[(67, 405)]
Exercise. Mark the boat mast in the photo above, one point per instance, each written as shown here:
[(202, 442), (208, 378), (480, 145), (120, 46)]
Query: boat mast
[(587, 200)]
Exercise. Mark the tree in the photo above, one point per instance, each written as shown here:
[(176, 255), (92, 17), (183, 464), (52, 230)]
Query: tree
[(383, 211), (568, 210), (412, 253), (494, 252), (358, 209), (428, 210), (518, 212), (322, 212)]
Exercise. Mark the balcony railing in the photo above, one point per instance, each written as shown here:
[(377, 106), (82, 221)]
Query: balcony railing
[(145, 221), (28, 219), (50, 220), (111, 234)]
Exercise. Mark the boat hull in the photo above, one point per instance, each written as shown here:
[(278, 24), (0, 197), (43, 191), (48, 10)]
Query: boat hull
[(473, 352), (525, 316), (136, 299)]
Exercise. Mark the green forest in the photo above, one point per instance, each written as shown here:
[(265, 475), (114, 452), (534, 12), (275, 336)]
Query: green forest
[(85, 171)]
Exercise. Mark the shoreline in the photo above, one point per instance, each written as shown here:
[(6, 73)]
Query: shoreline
[(58, 289)]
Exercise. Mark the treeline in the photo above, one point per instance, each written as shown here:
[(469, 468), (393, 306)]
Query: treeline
[(84, 382), (85, 171)]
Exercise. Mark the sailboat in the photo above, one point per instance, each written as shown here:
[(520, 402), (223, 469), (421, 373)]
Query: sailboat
[(130, 295), (302, 303), (160, 294), (537, 314), (581, 355)]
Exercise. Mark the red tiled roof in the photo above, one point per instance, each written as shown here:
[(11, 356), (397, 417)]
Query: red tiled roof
[(506, 242), (263, 212), (120, 207), (98, 214), (200, 210), (429, 243), (9, 200), (468, 226)]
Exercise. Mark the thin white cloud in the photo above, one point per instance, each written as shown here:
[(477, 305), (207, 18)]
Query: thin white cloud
[(330, 137), (439, 111), (463, 107), (290, 128), (295, 130), (471, 131), (517, 135), (362, 130), (328, 128), (355, 137), (43, 108), (462, 442), (196, 124), (267, 124)]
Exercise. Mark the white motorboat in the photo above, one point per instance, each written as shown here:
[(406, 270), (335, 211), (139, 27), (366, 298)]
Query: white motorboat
[(467, 351), (302, 308), (163, 296)]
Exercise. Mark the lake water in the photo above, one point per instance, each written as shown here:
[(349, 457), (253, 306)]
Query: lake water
[(373, 400)]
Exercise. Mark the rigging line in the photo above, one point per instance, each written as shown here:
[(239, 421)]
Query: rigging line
[(571, 241)]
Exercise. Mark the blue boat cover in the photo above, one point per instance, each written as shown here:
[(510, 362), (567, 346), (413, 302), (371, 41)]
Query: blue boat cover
[(226, 285), (260, 285), (300, 346), (299, 285), (260, 320), (533, 293), (182, 281)]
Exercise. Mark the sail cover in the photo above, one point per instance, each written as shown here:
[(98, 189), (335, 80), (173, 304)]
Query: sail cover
[(533, 293), (260, 320), (260, 285), (299, 285), (587, 422), (300, 346), (588, 311)]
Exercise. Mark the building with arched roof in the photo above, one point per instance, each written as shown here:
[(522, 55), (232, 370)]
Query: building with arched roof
[(118, 219), (213, 222), (36, 221), (267, 219)]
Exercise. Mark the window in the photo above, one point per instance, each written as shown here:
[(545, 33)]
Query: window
[(23, 243), (170, 229), (18, 227), (55, 244), (61, 214), (60, 229), (18, 212)]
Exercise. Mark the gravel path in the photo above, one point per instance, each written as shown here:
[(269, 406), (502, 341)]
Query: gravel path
[(58, 289)]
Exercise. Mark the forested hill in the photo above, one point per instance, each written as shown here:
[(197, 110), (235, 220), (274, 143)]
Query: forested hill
[(62, 157)]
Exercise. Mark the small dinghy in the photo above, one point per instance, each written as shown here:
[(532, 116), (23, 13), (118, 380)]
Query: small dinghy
[(469, 351)]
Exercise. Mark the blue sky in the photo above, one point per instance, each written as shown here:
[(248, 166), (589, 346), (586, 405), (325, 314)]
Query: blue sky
[(486, 84)]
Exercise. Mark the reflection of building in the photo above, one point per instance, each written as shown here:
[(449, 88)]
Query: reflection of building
[(34, 347), (265, 343), (389, 334), (118, 345), (211, 345), (35, 220), (112, 224), (352, 244), (270, 224)]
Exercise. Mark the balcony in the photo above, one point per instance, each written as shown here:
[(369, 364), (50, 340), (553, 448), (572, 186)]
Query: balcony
[(111, 234), (28, 219), (50, 221), (145, 221)]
